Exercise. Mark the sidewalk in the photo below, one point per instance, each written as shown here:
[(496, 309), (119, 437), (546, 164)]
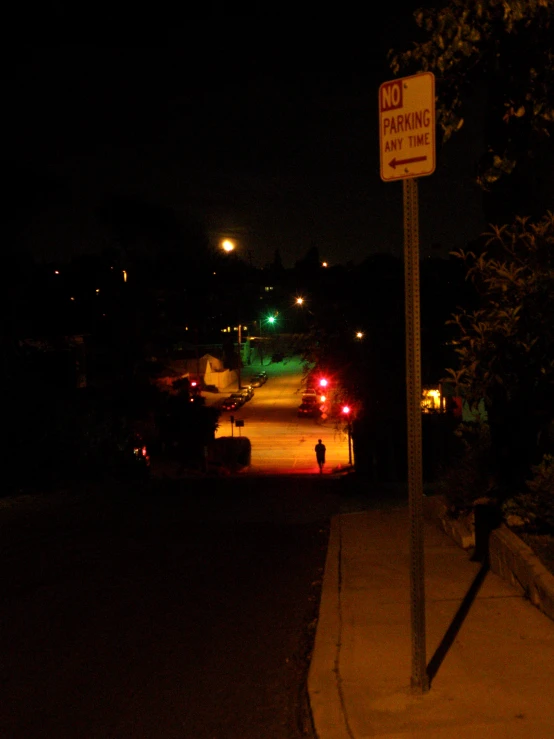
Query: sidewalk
[(491, 651)]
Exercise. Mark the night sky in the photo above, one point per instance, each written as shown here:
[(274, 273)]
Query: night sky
[(262, 130)]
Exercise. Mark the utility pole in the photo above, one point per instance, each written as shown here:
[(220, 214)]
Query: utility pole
[(261, 344), (240, 355), (197, 358)]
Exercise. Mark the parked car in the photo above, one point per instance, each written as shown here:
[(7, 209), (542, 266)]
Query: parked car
[(229, 404), (256, 381), (134, 461), (263, 376), (238, 398), (311, 410), (247, 392)]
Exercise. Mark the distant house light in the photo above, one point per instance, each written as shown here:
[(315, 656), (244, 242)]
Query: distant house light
[(56, 271), (97, 290), (431, 400), (268, 289), (72, 298), (124, 275), (324, 264)]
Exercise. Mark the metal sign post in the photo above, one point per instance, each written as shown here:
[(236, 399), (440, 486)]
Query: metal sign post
[(419, 680), (407, 149)]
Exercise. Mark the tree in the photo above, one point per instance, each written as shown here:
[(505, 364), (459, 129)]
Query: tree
[(164, 250), (167, 262), (496, 54), (505, 347), (276, 267), (308, 266)]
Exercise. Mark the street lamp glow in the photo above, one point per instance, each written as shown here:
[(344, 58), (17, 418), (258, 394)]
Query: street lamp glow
[(227, 245), (359, 334), (299, 301)]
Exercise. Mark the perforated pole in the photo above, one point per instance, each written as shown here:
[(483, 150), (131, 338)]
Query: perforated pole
[(419, 678)]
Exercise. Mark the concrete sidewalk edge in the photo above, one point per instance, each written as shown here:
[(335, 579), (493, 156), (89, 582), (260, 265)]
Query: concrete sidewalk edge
[(323, 681), (511, 559)]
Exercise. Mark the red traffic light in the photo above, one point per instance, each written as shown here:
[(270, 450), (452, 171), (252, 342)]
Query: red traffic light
[(346, 409), (323, 382)]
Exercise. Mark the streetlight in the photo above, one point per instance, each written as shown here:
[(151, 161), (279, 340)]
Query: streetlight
[(300, 302), (228, 245)]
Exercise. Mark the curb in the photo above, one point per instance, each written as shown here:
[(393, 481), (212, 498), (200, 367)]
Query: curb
[(516, 563), (323, 675), (509, 557)]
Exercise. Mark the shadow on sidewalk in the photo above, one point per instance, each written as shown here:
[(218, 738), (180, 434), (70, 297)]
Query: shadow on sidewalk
[(487, 519), (452, 632)]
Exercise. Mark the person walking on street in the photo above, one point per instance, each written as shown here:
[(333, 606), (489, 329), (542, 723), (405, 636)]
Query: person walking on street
[(320, 454)]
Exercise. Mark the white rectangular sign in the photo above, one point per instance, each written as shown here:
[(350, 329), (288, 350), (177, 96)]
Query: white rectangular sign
[(407, 127)]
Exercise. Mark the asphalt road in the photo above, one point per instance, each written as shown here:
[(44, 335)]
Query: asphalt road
[(281, 441), (186, 610)]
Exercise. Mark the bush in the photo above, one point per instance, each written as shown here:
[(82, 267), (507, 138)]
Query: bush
[(533, 510), (60, 436), (468, 478), (231, 451)]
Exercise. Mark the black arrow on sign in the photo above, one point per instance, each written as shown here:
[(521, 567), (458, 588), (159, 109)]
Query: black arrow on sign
[(394, 163)]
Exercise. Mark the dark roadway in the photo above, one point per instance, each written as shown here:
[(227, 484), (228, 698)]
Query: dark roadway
[(188, 612)]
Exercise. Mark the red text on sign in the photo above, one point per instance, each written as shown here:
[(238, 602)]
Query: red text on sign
[(403, 122), (391, 96)]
